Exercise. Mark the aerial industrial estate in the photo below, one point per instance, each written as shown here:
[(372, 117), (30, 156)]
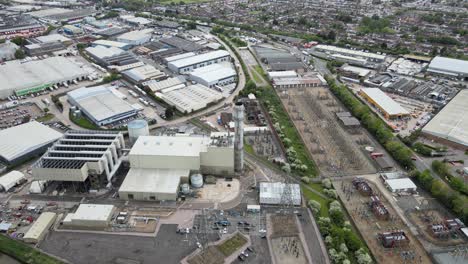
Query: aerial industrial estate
[(208, 132)]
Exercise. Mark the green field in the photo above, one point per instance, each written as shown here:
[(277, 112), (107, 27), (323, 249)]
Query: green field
[(83, 122), (231, 245), (24, 253), (309, 195)]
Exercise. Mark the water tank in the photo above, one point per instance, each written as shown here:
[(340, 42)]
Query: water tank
[(196, 180), (185, 188), (137, 128)]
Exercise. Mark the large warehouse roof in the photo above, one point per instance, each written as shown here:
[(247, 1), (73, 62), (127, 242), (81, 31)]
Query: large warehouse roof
[(214, 72), (156, 86), (99, 102), (104, 51), (23, 139), (170, 146), (199, 58), (15, 75), (53, 38), (143, 73), (451, 123), (448, 65), (135, 35), (164, 181), (190, 98), (400, 184), (384, 101), (111, 43), (93, 212)]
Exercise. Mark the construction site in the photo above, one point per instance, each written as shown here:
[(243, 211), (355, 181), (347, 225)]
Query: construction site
[(338, 146), (388, 237)]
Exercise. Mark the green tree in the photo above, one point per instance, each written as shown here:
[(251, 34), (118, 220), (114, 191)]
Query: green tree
[(20, 41), (19, 54)]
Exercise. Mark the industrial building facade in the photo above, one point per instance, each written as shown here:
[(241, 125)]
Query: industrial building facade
[(80, 155), (215, 74)]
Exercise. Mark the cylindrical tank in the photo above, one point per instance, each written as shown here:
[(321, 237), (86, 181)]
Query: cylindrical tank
[(196, 180), (137, 128), (185, 188)]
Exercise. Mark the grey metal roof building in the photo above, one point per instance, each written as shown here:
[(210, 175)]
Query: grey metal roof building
[(110, 56), (451, 123), (100, 104), (182, 44), (19, 143), (79, 155), (188, 64), (111, 32), (32, 76), (449, 67)]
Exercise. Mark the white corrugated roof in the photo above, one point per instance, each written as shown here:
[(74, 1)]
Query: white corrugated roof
[(199, 58), (100, 102), (53, 38), (214, 72), (442, 64), (191, 98), (40, 226), (135, 35), (153, 180), (104, 51), (10, 179), (384, 101), (451, 122), (351, 52), (401, 183), (15, 75), (161, 85), (170, 145), (275, 190), (110, 43), (20, 140), (93, 212)]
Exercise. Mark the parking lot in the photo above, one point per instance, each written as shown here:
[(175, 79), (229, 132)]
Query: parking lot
[(19, 115)]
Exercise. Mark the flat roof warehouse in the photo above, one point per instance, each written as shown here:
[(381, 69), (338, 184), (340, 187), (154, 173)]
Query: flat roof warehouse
[(24, 77)]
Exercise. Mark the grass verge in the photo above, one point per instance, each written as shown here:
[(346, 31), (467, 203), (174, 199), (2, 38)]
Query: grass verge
[(232, 244), (24, 253)]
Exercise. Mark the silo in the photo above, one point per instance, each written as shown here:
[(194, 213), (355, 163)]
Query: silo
[(196, 180), (137, 128), (185, 188)]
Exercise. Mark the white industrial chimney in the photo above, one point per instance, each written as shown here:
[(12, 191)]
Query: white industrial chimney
[(238, 117)]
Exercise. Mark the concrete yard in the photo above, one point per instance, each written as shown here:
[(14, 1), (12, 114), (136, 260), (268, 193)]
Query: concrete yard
[(222, 191)]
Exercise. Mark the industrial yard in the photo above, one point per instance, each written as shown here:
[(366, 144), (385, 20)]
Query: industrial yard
[(336, 150), (376, 223)]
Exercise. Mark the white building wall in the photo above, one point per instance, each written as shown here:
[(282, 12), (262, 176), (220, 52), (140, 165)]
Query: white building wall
[(217, 160), (79, 175)]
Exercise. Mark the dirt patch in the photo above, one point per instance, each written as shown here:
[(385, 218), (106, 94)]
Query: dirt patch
[(211, 255), (336, 150), (284, 226), (370, 226)]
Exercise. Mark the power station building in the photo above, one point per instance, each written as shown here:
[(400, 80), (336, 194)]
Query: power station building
[(158, 164), (90, 157)]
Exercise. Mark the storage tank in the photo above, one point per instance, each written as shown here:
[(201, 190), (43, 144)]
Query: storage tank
[(137, 128), (185, 188), (196, 180)]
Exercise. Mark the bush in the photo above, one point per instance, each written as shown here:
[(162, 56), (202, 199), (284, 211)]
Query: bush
[(422, 149), (326, 183), (330, 193), (314, 206), (305, 179)]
